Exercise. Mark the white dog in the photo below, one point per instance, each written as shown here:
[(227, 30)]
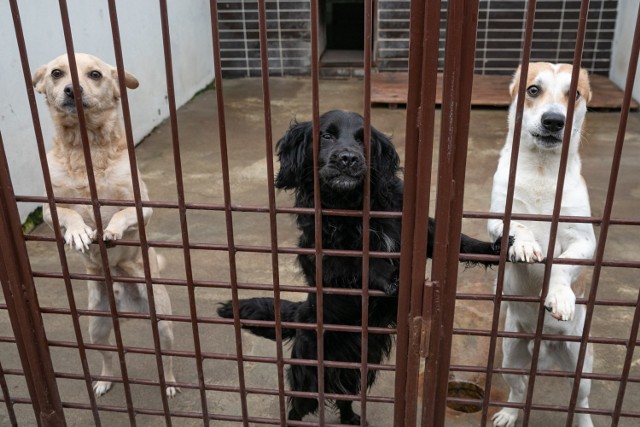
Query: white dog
[(543, 123), (100, 99)]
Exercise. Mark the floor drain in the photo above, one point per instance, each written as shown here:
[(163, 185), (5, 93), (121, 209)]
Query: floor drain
[(465, 390)]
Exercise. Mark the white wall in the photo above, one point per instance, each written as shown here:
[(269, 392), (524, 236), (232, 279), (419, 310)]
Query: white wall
[(143, 54), (622, 40)]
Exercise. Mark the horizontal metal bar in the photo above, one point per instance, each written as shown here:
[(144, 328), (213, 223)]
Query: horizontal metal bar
[(541, 373)]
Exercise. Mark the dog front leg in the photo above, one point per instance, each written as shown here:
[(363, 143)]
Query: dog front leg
[(77, 234), (560, 299), (122, 221), (524, 246)]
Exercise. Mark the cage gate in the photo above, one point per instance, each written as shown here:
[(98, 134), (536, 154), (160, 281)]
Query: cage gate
[(239, 380)]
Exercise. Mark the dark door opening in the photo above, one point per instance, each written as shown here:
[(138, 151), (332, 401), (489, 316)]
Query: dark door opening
[(344, 32)]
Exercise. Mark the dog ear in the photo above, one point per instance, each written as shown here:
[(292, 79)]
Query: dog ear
[(38, 79), (515, 82), (130, 81), (292, 155), (583, 85), (385, 161)]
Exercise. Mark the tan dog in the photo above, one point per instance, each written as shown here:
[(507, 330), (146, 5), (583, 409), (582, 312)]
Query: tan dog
[(100, 99), (543, 125)]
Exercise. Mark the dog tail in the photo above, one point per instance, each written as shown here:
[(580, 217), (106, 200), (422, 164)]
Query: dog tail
[(263, 309)]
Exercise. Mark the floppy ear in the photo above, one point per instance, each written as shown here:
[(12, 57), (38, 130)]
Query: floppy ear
[(583, 84), (292, 153), (130, 81), (385, 161), (38, 78), (513, 87)]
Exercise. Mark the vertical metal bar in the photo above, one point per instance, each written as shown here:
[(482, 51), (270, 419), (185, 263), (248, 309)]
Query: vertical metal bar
[(602, 240), (73, 69), (227, 207), (423, 306), (522, 84), (22, 304), (408, 209), (273, 223), (456, 109), (177, 161), (7, 399), (366, 214), (317, 204), (138, 204), (582, 25), (42, 153)]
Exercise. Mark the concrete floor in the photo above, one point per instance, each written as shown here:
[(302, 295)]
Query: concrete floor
[(291, 98)]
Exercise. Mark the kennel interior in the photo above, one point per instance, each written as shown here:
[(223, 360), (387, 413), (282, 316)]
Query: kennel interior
[(227, 234)]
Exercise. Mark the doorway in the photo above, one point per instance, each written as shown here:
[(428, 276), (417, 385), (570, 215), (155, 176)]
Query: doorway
[(343, 22)]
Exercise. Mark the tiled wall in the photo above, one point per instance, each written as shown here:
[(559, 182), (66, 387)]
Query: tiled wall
[(288, 34), (500, 33)]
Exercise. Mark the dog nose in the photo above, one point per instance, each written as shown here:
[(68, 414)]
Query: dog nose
[(553, 121), (68, 90), (348, 159)]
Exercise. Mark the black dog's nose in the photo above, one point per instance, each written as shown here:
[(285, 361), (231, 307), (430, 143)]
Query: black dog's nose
[(348, 159), (68, 90), (553, 122)]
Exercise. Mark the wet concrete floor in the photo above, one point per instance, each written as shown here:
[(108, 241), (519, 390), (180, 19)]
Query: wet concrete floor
[(291, 99)]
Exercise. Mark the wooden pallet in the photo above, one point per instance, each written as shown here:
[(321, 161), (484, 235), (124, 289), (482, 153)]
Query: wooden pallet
[(488, 91)]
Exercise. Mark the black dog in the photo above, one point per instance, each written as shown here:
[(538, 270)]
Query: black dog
[(342, 168)]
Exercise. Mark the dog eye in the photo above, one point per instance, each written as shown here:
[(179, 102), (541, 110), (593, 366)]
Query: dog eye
[(578, 95), (56, 74), (326, 136), (533, 91), (95, 75)]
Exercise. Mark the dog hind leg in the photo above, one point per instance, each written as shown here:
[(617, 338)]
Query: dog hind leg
[(347, 415), (99, 331), (568, 362), (165, 329), (302, 378), (515, 355)]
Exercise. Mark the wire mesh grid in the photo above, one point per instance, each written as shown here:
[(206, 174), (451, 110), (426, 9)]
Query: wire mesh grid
[(437, 326)]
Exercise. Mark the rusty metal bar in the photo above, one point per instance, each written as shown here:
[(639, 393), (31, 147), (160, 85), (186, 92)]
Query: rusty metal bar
[(582, 25), (336, 252), (541, 373), (462, 20), (22, 303), (273, 223), (73, 70), (222, 130), (633, 335), (317, 205), (135, 181), (366, 216), (266, 421), (408, 212), (334, 212), (24, 59), (425, 308), (508, 209)]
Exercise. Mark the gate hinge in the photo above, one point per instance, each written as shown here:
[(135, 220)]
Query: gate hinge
[(430, 311)]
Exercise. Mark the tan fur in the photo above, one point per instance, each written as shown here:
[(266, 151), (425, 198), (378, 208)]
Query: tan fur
[(100, 96), (535, 68)]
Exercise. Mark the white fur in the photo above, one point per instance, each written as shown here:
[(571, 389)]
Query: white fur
[(535, 188), (100, 99)]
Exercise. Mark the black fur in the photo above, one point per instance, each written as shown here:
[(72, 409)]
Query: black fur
[(342, 169)]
